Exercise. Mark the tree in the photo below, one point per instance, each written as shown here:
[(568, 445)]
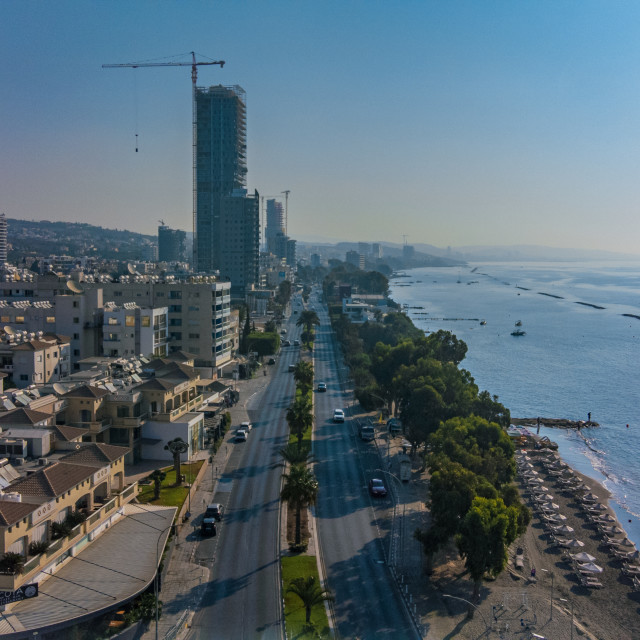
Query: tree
[(177, 446), (294, 454), (485, 534), (446, 347), (310, 592), (300, 417), (12, 563), (307, 319), (300, 490), (303, 375), (157, 476), (270, 326)]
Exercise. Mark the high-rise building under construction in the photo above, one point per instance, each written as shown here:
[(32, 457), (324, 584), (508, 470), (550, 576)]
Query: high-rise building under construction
[(227, 220)]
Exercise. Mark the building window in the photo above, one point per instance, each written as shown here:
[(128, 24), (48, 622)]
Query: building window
[(175, 322), (75, 304), (76, 352), (24, 376), (146, 321), (5, 319), (112, 320), (76, 320), (76, 336), (175, 308), (19, 319), (129, 321), (194, 336)]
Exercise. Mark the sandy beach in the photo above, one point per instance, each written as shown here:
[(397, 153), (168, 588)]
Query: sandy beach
[(519, 605)]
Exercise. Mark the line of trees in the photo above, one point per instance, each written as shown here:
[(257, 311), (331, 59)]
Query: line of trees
[(459, 431)]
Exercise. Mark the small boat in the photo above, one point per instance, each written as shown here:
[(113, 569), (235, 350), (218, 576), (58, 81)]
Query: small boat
[(518, 332), (519, 323), (483, 322)]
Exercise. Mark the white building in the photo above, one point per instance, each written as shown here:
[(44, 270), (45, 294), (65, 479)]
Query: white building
[(132, 330)]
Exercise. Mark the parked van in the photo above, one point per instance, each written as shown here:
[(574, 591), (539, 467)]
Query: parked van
[(367, 432)]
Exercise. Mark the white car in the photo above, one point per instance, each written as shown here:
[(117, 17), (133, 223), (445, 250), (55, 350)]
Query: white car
[(241, 435), (338, 415), (247, 426)]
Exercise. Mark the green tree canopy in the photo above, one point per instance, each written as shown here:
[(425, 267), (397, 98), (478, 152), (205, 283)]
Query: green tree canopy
[(300, 417), (487, 530), (310, 592), (303, 375)]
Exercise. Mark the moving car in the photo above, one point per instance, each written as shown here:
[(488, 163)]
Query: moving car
[(286, 343), (296, 343), (241, 435), (367, 432), (338, 415), (292, 368), (322, 386), (208, 527), (377, 488), (214, 511)]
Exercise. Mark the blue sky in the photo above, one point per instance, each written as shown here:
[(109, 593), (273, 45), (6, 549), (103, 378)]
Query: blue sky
[(456, 123)]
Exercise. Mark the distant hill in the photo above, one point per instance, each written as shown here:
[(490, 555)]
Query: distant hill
[(33, 238)]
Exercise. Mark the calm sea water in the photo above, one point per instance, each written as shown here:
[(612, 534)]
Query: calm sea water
[(574, 358)]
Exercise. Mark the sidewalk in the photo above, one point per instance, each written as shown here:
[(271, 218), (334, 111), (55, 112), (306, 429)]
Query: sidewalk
[(183, 581)]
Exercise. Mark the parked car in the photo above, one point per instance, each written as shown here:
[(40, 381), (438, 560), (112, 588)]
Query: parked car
[(394, 424), (214, 511), (208, 527), (292, 368), (271, 361), (247, 426), (367, 432), (338, 415), (241, 435), (296, 343), (377, 488), (322, 386)]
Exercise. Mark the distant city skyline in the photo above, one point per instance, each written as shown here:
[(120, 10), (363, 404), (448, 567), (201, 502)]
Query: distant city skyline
[(457, 124)]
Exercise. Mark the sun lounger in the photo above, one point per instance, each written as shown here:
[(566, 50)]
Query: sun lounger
[(592, 583)]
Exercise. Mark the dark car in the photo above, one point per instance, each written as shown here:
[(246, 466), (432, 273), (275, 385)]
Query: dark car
[(322, 386), (271, 361), (286, 343), (377, 488), (208, 527)]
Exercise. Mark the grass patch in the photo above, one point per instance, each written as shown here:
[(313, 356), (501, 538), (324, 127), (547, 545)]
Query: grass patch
[(294, 613), (170, 495)]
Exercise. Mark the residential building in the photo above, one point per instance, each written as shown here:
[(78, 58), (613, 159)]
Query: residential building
[(227, 228), (171, 244), (40, 360), (354, 258), (275, 224), (3, 238), (132, 330)]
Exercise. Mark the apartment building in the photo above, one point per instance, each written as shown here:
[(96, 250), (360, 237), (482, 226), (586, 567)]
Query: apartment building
[(130, 330)]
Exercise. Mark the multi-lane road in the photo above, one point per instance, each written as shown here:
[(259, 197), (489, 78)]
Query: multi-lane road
[(243, 599)]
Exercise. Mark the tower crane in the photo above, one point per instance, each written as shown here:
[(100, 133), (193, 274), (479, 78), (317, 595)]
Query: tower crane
[(194, 64)]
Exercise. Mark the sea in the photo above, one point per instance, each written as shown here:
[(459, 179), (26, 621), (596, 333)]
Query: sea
[(580, 353)]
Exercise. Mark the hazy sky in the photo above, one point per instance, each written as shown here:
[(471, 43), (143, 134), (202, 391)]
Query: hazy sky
[(456, 123)]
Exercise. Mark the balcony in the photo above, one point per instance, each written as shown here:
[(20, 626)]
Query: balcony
[(95, 427), (130, 422), (63, 545)]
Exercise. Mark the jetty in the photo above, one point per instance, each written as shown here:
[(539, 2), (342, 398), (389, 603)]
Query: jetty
[(558, 423)]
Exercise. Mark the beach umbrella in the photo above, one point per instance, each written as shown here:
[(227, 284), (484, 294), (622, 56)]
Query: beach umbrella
[(626, 543), (598, 506), (607, 517), (544, 497), (590, 497), (563, 529), (583, 556), (554, 517), (540, 489), (590, 567), (634, 555), (574, 544)]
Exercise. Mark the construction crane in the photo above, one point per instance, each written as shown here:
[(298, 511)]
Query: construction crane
[(194, 64)]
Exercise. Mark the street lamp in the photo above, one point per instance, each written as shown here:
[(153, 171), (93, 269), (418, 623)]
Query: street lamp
[(155, 580), (404, 509), (552, 576), (444, 595), (571, 603)]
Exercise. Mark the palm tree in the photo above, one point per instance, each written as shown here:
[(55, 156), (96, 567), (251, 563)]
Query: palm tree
[(294, 455), (303, 374), (307, 319), (310, 592), (300, 491), (157, 476), (299, 417)]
